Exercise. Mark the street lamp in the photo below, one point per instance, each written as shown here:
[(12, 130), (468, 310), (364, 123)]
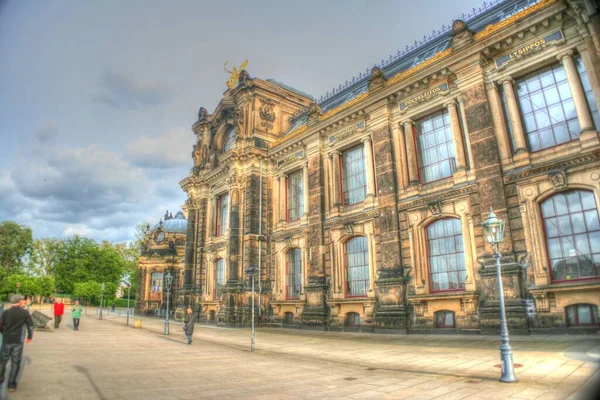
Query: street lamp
[(128, 284), (494, 233), (251, 271), (168, 282), (101, 301)]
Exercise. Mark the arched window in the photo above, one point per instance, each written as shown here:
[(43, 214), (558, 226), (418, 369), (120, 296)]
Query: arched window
[(357, 266), (445, 319), (229, 139), (288, 318), (352, 319), (293, 273), (219, 275), (582, 315), (447, 269), (572, 235)]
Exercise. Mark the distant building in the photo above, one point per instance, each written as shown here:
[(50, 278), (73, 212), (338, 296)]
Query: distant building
[(363, 210), (163, 252)]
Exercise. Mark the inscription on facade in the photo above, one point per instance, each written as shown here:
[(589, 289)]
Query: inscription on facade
[(528, 48), (441, 89), (359, 127)]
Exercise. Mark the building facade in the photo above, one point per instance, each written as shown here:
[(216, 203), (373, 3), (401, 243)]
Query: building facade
[(363, 210), (162, 253)]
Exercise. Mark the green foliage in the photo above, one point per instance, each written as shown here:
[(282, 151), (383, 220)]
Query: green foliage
[(43, 256), (81, 259), (15, 244), (92, 291), (29, 285)]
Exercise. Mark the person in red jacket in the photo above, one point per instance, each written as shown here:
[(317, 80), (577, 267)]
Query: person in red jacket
[(59, 310)]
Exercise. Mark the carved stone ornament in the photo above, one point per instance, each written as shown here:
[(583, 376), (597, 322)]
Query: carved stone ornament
[(314, 112), (435, 207), (377, 78), (288, 241), (349, 229), (461, 34), (202, 115), (267, 114), (558, 179)]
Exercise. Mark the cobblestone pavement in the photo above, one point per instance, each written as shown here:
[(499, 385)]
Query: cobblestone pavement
[(107, 360)]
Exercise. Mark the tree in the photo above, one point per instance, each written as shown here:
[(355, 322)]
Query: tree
[(90, 291), (15, 244), (130, 253), (28, 285), (81, 259), (43, 256)]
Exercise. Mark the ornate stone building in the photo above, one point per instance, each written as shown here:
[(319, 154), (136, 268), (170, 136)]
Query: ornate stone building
[(363, 210), (163, 252)]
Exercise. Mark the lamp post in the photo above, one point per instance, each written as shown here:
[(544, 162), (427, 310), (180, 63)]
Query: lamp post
[(494, 232), (128, 284), (168, 282), (251, 271), (101, 301)]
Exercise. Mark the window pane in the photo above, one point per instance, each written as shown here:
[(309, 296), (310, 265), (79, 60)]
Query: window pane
[(584, 314), (547, 108), (357, 266), (446, 255), (573, 238), (354, 175), (436, 148)]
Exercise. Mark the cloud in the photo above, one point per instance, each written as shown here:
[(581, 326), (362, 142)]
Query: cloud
[(123, 91), (66, 190), (169, 150), (47, 133)]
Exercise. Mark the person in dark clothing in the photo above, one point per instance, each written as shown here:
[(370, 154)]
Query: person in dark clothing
[(12, 323), (189, 325)]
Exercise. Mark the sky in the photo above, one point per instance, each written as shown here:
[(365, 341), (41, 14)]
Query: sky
[(97, 98)]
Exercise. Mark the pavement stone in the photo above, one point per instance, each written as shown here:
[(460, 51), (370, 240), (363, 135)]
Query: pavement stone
[(109, 361)]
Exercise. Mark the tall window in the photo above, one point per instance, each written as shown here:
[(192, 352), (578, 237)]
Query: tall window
[(354, 176), (582, 315), (157, 285), (549, 115), (219, 275), (572, 235), (222, 215), (293, 266), (295, 195), (446, 255), (434, 136), (589, 94), (357, 266), (229, 139)]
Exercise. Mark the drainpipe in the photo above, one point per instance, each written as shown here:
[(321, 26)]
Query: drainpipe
[(260, 185)]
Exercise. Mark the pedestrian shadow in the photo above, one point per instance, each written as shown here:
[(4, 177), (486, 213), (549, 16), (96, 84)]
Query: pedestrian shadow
[(85, 372)]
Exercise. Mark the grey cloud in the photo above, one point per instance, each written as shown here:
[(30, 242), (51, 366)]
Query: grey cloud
[(122, 91), (169, 150), (47, 133)]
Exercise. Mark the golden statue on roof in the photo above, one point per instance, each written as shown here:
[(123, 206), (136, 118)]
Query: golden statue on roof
[(235, 74)]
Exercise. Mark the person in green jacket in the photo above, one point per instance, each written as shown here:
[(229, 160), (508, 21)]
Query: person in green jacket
[(76, 314)]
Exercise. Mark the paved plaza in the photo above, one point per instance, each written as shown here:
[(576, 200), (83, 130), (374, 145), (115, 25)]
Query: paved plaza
[(107, 360)]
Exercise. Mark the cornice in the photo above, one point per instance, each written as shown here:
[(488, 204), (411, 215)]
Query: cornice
[(424, 201), (542, 169), (351, 218), (291, 233)]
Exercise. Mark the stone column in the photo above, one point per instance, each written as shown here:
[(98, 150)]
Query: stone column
[(275, 200), (336, 179), (459, 148), (400, 155), (209, 215), (305, 188), (411, 152), (282, 198), (368, 148), (498, 119), (581, 107), (515, 116)]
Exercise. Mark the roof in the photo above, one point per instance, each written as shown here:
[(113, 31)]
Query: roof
[(491, 12), (291, 89), (176, 224)]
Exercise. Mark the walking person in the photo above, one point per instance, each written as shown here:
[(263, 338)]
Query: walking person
[(12, 323), (189, 325), (76, 314), (59, 311), (113, 307)]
